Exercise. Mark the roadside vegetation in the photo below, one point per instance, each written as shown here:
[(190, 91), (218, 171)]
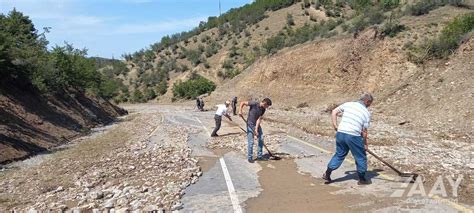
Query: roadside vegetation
[(446, 42), (192, 88), (25, 60)]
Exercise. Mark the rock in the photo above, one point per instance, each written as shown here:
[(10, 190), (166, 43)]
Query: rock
[(109, 203), (150, 208), (62, 207), (59, 189), (95, 195), (177, 206), (122, 201), (122, 210), (194, 180)]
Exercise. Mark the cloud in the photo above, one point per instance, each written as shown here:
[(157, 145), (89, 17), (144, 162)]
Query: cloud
[(158, 27)]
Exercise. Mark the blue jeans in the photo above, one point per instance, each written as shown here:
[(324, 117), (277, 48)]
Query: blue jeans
[(250, 135), (344, 143)]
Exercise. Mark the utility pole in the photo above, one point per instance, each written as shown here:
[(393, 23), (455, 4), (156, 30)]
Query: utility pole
[(220, 8)]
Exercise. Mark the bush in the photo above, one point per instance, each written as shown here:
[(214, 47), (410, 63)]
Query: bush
[(389, 4), (149, 94), (195, 86), (228, 64), (392, 28), (450, 36), (289, 20), (358, 24), (161, 88), (194, 56), (138, 96), (273, 44), (306, 4), (422, 7)]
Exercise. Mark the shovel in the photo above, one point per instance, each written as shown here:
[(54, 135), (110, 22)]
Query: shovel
[(273, 157), (413, 176)]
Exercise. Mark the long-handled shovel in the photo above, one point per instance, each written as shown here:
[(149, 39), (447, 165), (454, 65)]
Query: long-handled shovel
[(273, 157), (401, 174)]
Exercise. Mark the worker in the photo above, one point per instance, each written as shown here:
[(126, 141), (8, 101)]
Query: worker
[(221, 111), (234, 105), (198, 104), (351, 134), (201, 104), (254, 120)]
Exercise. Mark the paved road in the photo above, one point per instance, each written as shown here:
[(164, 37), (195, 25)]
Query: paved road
[(230, 184)]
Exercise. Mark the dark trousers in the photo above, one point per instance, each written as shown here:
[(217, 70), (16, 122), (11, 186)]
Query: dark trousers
[(346, 143), (218, 120), (234, 108)]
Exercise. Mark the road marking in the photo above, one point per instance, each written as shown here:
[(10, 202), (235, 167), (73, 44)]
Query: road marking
[(203, 125), (153, 132), (316, 147), (230, 186), (457, 206)]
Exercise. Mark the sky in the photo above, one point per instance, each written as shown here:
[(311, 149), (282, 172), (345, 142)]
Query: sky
[(110, 28)]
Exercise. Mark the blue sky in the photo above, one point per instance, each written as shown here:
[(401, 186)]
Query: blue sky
[(109, 28)]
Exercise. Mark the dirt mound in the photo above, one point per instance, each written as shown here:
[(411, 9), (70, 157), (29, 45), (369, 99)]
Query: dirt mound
[(31, 123)]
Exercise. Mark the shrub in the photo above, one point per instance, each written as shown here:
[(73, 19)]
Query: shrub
[(195, 86), (392, 28), (306, 4), (230, 73), (137, 96), (389, 4), (161, 88), (450, 36), (422, 7), (149, 94), (194, 56), (233, 52), (228, 64), (273, 44), (289, 20)]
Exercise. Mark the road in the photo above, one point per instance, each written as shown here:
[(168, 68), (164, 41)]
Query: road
[(231, 184), (147, 161)]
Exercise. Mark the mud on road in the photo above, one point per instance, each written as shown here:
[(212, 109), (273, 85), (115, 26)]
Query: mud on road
[(161, 157)]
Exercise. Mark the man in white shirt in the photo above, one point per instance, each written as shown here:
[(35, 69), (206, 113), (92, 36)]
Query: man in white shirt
[(351, 135), (221, 111)]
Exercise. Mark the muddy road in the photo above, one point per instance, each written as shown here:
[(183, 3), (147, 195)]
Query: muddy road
[(162, 158)]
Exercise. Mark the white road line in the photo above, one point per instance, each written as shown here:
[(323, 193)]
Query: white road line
[(153, 132), (230, 187), (208, 133)]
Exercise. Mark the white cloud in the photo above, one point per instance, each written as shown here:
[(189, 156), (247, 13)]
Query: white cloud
[(158, 27)]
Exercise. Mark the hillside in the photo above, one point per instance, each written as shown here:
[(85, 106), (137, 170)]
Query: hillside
[(32, 123), (48, 96)]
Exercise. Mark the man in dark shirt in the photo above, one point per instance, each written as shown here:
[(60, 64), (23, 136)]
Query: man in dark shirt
[(254, 120), (234, 105)]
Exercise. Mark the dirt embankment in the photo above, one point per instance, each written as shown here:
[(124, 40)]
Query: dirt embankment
[(31, 123)]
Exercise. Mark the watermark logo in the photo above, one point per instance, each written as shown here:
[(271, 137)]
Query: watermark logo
[(438, 188)]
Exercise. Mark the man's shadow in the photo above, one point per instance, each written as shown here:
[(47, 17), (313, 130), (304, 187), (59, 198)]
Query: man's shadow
[(352, 175)]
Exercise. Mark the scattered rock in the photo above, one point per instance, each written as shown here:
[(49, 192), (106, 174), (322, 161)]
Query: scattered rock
[(177, 206)]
